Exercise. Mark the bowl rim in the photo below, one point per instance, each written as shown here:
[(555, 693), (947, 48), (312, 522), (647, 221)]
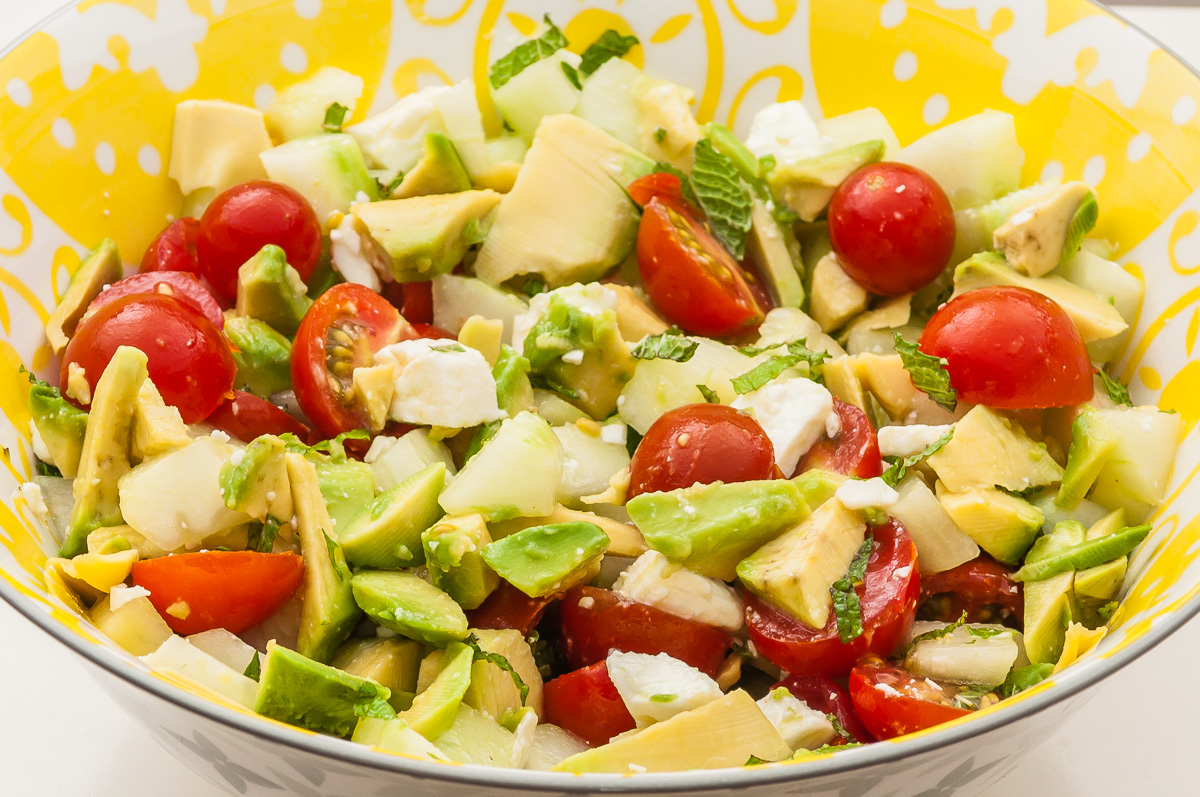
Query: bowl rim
[(1067, 684)]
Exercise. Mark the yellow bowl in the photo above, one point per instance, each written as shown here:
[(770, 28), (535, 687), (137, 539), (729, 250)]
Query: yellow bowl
[(86, 102)]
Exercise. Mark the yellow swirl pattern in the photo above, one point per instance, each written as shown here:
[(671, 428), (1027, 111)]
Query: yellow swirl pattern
[(785, 10), (791, 87), (1185, 225), (417, 9), (16, 209)]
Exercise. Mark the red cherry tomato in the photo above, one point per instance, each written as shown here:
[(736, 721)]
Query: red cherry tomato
[(586, 703), (234, 590), (1011, 348), (188, 358), (181, 285), (690, 277), (824, 695), (700, 444), (888, 598), (340, 332), (608, 621), (174, 249), (893, 702), (666, 187), (432, 332), (853, 452), (892, 228), (246, 416), (418, 302), (508, 607), (247, 217), (982, 587)]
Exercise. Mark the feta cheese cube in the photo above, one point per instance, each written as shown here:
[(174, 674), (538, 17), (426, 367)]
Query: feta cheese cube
[(439, 383), (786, 131), (866, 493), (799, 725), (350, 255), (614, 433), (653, 580), (793, 413), (656, 688), (904, 441), (120, 595)]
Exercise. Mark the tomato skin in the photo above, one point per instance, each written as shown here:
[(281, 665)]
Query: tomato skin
[(432, 332), (892, 702), (889, 601), (371, 322), (853, 452), (181, 285), (247, 217), (1010, 348), (824, 695), (586, 703), (508, 607), (187, 357), (690, 277), (612, 622), (174, 249), (246, 416), (234, 590), (700, 444), (666, 187), (892, 228), (418, 302), (982, 587)]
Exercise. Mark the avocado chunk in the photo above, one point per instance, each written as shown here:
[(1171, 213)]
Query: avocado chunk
[(1047, 232), (989, 450), (346, 485), (1084, 555), (1102, 583), (493, 690), (157, 426), (774, 249), (452, 553), (258, 484), (817, 486), (101, 267), (329, 611), (410, 606), (107, 444), (262, 355), (544, 560), (440, 171), (724, 733), (387, 533), (302, 692), (806, 186), (941, 545), (836, 297), (60, 424), (434, 708), (796, 570), (1050, 604), (476, 738), (326, 169), (423, 237), (710, 528), (391, 662), (395, 736), (567, 218), (1138, 470), (624, 539), (1001, 524), (514, 392), (272, 291), (1093, 440)]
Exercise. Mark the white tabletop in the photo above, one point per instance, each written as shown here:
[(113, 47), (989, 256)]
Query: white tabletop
[(1128, 739)]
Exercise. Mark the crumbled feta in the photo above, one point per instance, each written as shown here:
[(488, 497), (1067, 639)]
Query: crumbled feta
[(904, 441), (793, 413), (799, 725), (35, 500), (237, 456), (833, 425), (614, 433), (393, 139), (573, 357), (591, 299), (439, 383), (348, 251), (656, 688), (523, 740), (120, 595), (786, 131), (78, 386), (39, 445), (651, 579), (219, 435), (866, 493)]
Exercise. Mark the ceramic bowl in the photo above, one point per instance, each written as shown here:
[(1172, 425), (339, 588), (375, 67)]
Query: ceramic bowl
[(86, 103)]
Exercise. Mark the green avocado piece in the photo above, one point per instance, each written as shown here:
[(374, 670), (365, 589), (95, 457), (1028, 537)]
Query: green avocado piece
[(395, 736), (433, 710), (347, 485), (101, 267), (476, 738), (1050, 605), (990, 450), (710, 528), (258, 484), (1102, 583), (107, 443), (440, 171), (392, 662), (410, 606), (999, 523), (61, 425), (543, 560), (272, 291), (387, 533), (514, 393), (1093, 440), (806, 186), (452, 553), (1084, 555), (818, 486), (425, 236), (1047, 232), (262, 355), (302, 692)]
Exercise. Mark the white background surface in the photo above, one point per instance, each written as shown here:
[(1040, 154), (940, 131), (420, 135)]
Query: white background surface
[(60, 735)]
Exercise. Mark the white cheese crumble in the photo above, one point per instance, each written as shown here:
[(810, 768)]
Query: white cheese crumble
[(653, 580), (393, 139), (32, 495), (219, 435), (120, 595), (793, 413), (786, 131), (523, 740), (39, 445), (439, 383), (592, 299), (799, 725), (614, 433), (348, 251), (866, 493), (656, 688), (833, 425), (78, 386), (904, 441), (573, 357)]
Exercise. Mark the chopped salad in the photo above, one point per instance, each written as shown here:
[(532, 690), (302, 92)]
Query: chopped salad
[(537, 425)]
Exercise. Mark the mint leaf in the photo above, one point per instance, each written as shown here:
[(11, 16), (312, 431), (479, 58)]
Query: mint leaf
[(667, 346), (533, 286), (722, 196), (336, 447), (660, 133), (936, 633), (986, 633), (838, 727), (1022, 678), (755, 761), (968, 696), (663, 698), (928, 373), (685, 182), (270, 530), (46, 469), (334, 116), (572, 75), (1115, 390), (847, 610), (610, 45), (527, 54), (253, 670), (448, 347), (479, 654), (899, 467), (710, 397), (764, 372)]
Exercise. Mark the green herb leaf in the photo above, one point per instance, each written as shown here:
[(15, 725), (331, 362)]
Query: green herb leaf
[(1105, 612), (663, 698), (334, 116), (1115, 390), (838, 727), (986, 633), (610, 45), (685, 182), (46, 469), (448, 347), (754, 761), (710, 396), (899, 467), (572, 75), (660, 134), (533, 286), (928, 374), (847, 610), (1022, 678), (723, 197), (550, 383), (270, 530), (336, 447), (936, 633), (764, 372), (968, 696), (253, 670), (527, 54), (667, 346), (479, 654)]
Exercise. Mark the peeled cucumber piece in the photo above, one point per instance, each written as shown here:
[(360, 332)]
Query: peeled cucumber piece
[(970, 654), (299, 110), (476, 738), (941, 545), (394, 459), (1113, 284), (177, 655), (865, 124), (661, 385), (608, 100), (588, 463), (974, 160), (1138, 470), (328, 170), (455, 299), (541, 89)]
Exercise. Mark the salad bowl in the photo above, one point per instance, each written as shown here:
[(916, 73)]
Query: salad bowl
[(86, 104)]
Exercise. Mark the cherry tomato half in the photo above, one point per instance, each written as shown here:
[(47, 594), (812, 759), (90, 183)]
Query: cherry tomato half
[(508, 607), (888, 597), (596, 621), (174, 249), (246, 416), (1011, 348), (188, 358), (234, 590), (892, 228), (182, 285), (586, 703), (982, 587), (892, 702), (854, 451), (824, 695), (247, 217), (700, 444), (666, 187), (340, 332), (690, 277)]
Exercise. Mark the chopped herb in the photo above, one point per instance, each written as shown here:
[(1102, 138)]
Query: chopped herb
[(335, 447), (986, 633), (899, 467), (838, 727), (685, 182), (46, 469), (533, 286), (572, 75), (833, 748), (1105, 612), (660, 134), (928, 374), (968, 697), (526, 54), (632, 440), (670, 345), (270, 530), (846, 608), (710, 397), (1024, 495), (610, 45), (723, 197), (480, 654), (753, 760), (549, 383), (663, 698), (937, 633), (448, 347), (334, 116), (1115, 390), (253, 669), (1023, 678), (764, 372)]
